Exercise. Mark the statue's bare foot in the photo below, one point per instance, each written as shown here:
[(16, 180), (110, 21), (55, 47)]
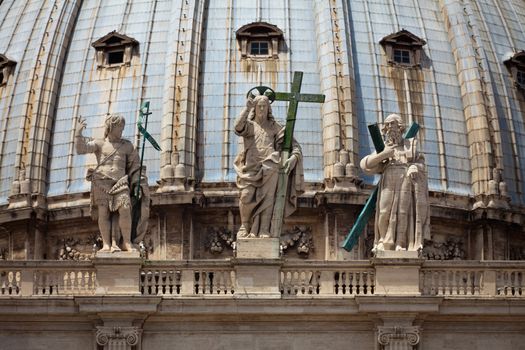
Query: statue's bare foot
[(128, 247), (264, 235), (105, 248), (242, 233), (399, 248), (251, 235), (115, 248), (380, 246)]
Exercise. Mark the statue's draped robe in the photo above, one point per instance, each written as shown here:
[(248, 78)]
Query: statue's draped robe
[(402, 210), (258, 166)]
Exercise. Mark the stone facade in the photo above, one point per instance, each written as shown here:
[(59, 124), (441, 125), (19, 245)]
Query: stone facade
[(191, 286)]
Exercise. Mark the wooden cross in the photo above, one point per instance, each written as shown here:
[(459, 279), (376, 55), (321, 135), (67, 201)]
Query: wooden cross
[(294, 97)]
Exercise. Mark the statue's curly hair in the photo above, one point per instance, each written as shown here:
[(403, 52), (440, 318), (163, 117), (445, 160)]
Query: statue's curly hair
[(111, 121)]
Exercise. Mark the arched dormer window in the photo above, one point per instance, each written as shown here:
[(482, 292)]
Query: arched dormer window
[(6, 69), (114, 49), (516, 66), (259, 39), (403, 48)]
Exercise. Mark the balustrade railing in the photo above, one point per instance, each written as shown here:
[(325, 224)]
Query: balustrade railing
[(24, 278), (471, 278), (183, 278), (327, 278), (298, 279), (10, 281)]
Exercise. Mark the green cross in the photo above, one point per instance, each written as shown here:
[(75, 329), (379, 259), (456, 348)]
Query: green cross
[(294, 97), (370, 205)]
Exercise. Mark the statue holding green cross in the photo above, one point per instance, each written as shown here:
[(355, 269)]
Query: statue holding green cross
[(269, 168), (401, 198)]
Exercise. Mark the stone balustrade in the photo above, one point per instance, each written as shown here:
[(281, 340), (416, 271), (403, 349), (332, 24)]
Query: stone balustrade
[(197, 278), (473, 278), (297, 279), (47, 278)]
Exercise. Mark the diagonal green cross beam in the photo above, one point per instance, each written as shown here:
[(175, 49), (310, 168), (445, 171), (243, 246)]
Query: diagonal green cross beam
[(282, 186), (370, 204)]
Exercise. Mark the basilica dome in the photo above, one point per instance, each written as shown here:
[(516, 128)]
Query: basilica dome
[(196, 63)]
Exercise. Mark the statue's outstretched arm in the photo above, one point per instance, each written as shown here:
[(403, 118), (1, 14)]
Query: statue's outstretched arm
[(83, 144)]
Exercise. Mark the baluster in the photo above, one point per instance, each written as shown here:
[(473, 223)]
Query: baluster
[(3, 283), (232, 280), (10, 286), (366, 282), (337, 282), (476, 282), (519, 283), (350, 282)]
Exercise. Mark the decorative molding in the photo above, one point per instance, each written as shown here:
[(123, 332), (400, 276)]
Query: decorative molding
[(218, 239), (398, 338), (300, 237), (70, 248), (452, 249)]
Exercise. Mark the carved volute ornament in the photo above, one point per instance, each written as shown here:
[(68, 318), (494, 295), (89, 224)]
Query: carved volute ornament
[(398, 338), (117, 338)]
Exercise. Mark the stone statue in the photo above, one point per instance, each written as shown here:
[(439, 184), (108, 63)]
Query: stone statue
[(257, 168), (402, 211), (111, 181)]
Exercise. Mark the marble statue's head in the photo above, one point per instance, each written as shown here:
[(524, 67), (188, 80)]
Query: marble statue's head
[(114, 123), (262, 109), (393, 128)]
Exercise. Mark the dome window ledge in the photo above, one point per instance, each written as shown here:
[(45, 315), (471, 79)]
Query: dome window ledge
[(403, 49), (6, 69), (114, 50), (516, 67), (259, 40)]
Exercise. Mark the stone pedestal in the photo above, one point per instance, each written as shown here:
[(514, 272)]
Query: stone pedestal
[(258, 248), (397, 273), (258, 268), (118, 273)]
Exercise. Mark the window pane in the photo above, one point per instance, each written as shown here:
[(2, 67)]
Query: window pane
[(115, 57), (263, 48), (520, 77), (402, 56), (259, 48)]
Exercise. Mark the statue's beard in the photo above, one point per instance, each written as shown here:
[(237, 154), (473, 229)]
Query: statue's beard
[(393, 137)]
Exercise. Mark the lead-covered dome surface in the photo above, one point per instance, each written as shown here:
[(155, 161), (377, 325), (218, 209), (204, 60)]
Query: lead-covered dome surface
[(191, 67)]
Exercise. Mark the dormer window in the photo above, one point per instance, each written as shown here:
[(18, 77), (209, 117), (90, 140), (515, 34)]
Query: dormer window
[(259, 40), (516, 66), (403, 49), (6, 68), (114, 50)]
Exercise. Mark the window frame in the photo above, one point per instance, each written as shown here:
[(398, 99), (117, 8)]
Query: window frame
[(258, 32)]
